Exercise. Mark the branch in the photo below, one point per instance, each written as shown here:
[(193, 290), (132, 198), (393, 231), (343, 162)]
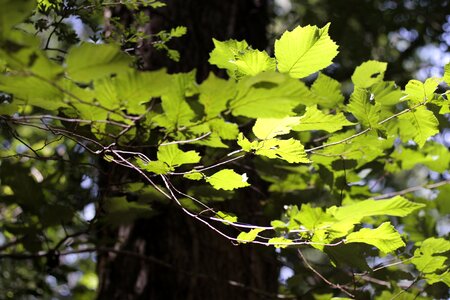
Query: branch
[(412, 189), (311, 150), (332, 285)]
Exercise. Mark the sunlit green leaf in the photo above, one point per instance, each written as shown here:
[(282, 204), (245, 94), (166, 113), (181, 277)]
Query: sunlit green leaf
[(362, 108), (315, 119), (215, 93), (224, 53), (420, 124), (280, 242), (246, 237), (253, 62), (228, 179), (157, 167), (304, 50), (193, 176), (447, 74), (269, 128), (397, 206), (327, 91), (224, 129), (177, 111), (368, 73), (290, 150), (175, 157), (428, 263), (418, 91), (227, 217), (267, 99), (385, 238), (386, 93), (432, 278)]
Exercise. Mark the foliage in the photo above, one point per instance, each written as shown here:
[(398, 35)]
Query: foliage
[(307, 148)]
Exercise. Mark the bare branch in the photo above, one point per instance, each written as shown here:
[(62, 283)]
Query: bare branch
[(332, 285), (412, 189)]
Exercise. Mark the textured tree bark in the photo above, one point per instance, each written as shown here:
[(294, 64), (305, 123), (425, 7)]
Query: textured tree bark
[(172, 256)]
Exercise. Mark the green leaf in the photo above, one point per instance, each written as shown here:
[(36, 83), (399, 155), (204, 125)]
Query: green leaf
[(178, 31), (420, 124), (224, 53), (157, 167), (131, 90), (434, 278), (397, 206), (194, 175), (177, 112), (174, 157), (268, 128), (228, 179), (361, 107), (428, 263), (434, 245), (277, 224), (227, 217), (419, 92), (32, 91), (290, 150), (312, 217), (92, 61), (385, 238), (224, 129), (304, 51), (424, 257), (246, 237), (324, 227), (267, 95), (315, 119), (253, 62), (215, 93), (13, 12), (327, 91), (447, 74), (280, 242), (368, 73), (239, 59), (386, 93)]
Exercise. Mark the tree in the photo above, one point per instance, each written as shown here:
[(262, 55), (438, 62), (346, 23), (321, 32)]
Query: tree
[(172, 160)]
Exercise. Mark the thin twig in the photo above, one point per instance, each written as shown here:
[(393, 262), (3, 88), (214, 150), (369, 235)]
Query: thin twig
[(333, 285), (364, 131), (412, 189), (186, 141)]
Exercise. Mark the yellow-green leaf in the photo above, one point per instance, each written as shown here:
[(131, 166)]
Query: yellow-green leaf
[(420, 124), (290, 150), (362, 108), (228, 179), (368, 73), (385, 238), (91, 61), (269, 128), (315, 119), (175, 157), (280, 242), (305, 50), (246, 237), (397, 206)]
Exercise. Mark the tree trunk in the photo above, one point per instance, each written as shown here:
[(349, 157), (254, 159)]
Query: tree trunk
[(172, 256)]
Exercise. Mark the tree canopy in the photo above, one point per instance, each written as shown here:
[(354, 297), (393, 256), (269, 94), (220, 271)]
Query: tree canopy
[(353, 189)]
